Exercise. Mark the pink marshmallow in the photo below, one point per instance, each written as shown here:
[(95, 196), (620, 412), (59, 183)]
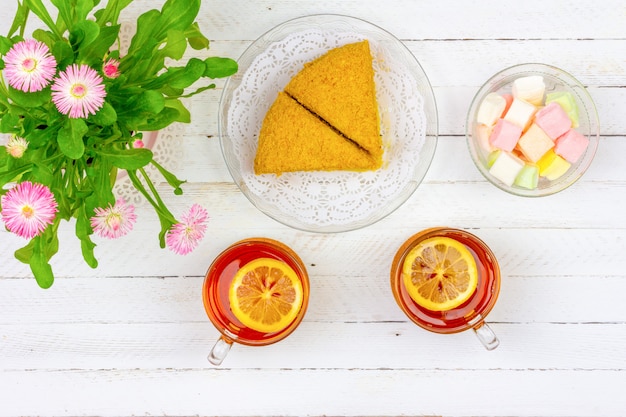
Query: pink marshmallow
[(505, 135), (553, 120), (571, 145)]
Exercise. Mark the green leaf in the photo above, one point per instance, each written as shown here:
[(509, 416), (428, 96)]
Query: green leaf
[(106, 116), (83, 232), (42, 174), (128, 159), (4, 157), (170, 178), (143, 39), (217, 67), (37, 7), (196, 39), (41, 270), (65, 11), (63, 54), (184, 116), (175, 46), (177, 14), (9, 123), (100, 46), (111, 12), (102, 194), (8, 176), (44, 247), (83, 33), (148, 101), (180, 77), (19, 21), (70, 138), (82, 9), (5, 45), (24, 254), (162, 120), (36, 99), (40, 137)]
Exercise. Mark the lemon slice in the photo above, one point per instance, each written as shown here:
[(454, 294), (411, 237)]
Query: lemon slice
[(266, 295), (440, 273)]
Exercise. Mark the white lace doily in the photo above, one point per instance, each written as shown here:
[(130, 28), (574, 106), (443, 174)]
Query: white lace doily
[(328, 200)]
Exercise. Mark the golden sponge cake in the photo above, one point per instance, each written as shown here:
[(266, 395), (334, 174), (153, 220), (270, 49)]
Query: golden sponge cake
[(327, 117), (339, 87), (294, 139)]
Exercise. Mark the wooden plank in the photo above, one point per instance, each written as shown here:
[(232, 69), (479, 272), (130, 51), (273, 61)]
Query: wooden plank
[(443, 20), (520, 248), (425, 392), (390, 344), (451, 162), (337, 295)]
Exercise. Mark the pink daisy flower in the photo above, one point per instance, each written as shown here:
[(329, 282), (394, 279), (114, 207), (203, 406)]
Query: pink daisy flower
[(183, 237), (114, 221), (28, 208), (16, 147), (29, 66), (78, 91), (111, 68)]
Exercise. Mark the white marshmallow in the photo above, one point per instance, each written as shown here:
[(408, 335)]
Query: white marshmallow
[(491, 109), (530, 89), (520, 113), (506, 167)]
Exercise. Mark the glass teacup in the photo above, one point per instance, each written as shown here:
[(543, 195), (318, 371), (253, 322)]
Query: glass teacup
[(217, 283), (472, 312)]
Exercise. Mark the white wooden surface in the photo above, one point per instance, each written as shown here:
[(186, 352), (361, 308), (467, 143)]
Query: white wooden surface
[(131, 337)]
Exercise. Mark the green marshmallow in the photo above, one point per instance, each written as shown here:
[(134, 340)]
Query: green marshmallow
[(528, 177), (491, 158), (567, 101)]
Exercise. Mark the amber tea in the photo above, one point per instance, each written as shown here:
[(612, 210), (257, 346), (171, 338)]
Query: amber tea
[(217, 292), (471, 312)]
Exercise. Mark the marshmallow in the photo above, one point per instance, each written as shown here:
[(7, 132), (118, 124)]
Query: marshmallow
[(528, 177), (530, 89), (505, 135), (553, 120), (509, 99), (506, 167), (571, 145), (491, 158), (534, 143), (491, 109), (567, 102), (552, 166), (520, 113), (482, 134)]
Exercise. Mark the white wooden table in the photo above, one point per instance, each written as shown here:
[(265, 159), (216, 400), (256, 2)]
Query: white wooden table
[(131, 337)]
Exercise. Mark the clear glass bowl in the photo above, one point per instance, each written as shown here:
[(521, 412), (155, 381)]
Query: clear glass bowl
[(555, 80), (329, 201)]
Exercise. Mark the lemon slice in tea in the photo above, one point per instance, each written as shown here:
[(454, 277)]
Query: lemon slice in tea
[(265, 295), (440, 273)]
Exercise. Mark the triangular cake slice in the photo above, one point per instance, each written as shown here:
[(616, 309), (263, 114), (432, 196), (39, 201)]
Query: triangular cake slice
[(294, 139), (339, 87)]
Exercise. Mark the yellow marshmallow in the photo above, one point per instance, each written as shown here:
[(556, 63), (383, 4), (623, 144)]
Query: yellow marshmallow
[(552, 166)]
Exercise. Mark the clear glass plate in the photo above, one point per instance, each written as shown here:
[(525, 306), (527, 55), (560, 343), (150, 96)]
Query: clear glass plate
[(340, 200)]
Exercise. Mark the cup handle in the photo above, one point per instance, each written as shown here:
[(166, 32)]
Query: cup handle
[(220, 350), (486, 336)]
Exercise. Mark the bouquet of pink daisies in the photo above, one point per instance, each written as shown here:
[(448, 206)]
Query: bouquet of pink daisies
[(73, 110)]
